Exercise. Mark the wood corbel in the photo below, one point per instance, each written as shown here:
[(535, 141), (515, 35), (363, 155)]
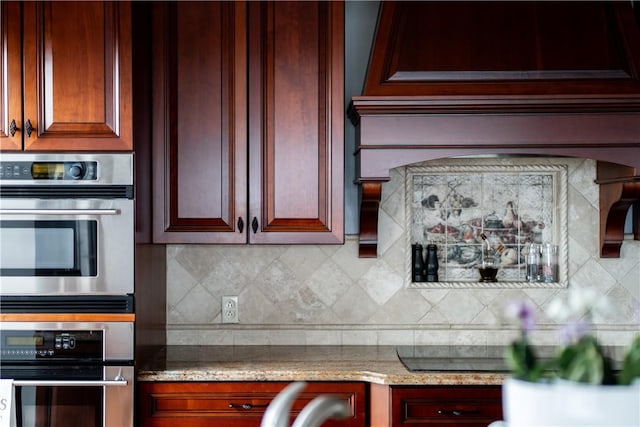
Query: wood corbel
[(619, 190), (369, 205)]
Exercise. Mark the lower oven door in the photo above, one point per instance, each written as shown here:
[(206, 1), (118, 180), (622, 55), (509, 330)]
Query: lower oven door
[(93, 401)]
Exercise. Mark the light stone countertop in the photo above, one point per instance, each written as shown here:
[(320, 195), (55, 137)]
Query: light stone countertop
[(374, 364)]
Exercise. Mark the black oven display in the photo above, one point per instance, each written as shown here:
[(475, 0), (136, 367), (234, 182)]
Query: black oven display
[(78, 346), (48, 248)]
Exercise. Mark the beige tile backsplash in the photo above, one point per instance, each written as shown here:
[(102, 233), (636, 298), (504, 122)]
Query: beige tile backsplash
[(327, 295)]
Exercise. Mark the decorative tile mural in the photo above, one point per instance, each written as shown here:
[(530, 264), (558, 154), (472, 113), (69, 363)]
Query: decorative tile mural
[(473, 213)]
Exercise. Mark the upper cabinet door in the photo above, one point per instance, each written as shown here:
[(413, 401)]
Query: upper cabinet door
[(296, 128), (199, 122), (10, 76), (77, 76)]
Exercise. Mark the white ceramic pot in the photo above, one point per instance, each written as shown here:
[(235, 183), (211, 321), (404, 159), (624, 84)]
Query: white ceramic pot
[(564, 403)]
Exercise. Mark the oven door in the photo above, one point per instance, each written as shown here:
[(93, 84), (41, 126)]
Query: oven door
[(69, 373), (56, 396), (66, 246)]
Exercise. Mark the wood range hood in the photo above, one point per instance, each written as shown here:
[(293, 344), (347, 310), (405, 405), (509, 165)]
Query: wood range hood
[(450, 79)]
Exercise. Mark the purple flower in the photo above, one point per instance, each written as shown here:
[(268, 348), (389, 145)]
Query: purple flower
[(573, 331), (524, 313)]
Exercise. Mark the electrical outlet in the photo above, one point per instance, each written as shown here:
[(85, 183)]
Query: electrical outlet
[(229, 309)]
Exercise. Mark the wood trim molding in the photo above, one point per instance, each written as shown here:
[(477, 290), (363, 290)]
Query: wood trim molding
[(66, 317)]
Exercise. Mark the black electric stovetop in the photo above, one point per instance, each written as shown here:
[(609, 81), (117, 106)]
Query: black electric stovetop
[(458, 357), (475, 358)]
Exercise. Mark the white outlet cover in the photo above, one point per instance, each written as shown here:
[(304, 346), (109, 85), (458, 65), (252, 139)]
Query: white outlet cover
[(229, 309)]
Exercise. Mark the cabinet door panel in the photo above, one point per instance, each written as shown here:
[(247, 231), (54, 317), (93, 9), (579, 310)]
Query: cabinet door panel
[(10, 75), (200, 122), (77, 71), (446, 405), (237, 404), (296, 110)]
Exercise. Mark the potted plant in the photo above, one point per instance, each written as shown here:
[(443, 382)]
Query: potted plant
[(578, 385)]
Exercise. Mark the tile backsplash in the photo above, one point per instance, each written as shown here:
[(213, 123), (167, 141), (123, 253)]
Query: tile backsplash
[(319, 294)]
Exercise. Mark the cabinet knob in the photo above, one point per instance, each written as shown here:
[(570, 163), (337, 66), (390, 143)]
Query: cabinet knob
[(13, 128), (28, 127), (254, 225), (240, 224)]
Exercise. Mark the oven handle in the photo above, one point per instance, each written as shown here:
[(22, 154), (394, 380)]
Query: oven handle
[(60, 211), (46, 383)]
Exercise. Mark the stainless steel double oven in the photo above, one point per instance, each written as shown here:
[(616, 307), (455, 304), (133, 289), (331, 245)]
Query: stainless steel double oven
[(67, 288)]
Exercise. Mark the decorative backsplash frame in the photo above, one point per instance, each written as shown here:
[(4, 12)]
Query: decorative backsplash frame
[(512, 204)]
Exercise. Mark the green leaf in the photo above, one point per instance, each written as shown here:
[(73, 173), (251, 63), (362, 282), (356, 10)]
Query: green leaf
[(583, 362), (522, 361), (631, 363)]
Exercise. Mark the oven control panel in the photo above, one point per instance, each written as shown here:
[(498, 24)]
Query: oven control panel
[(49, 171), (56, 345)]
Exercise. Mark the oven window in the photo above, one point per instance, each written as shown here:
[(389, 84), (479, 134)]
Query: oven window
[(48, 248), (59, 406)]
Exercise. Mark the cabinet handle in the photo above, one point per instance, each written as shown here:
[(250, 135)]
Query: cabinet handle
[(245, 406), (240, 224), (13, 128), (28, 127), (457, 412), (254, 225)]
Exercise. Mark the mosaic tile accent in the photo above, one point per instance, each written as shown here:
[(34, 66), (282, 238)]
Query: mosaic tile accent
[(511, 206)]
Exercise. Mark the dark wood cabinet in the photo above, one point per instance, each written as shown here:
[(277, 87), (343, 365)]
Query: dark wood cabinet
[(435, 406), (236, 404), (248, 122), (66, 76)]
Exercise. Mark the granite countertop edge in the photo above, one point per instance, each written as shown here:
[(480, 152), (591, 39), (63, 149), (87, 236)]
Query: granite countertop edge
[(372, 364)]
